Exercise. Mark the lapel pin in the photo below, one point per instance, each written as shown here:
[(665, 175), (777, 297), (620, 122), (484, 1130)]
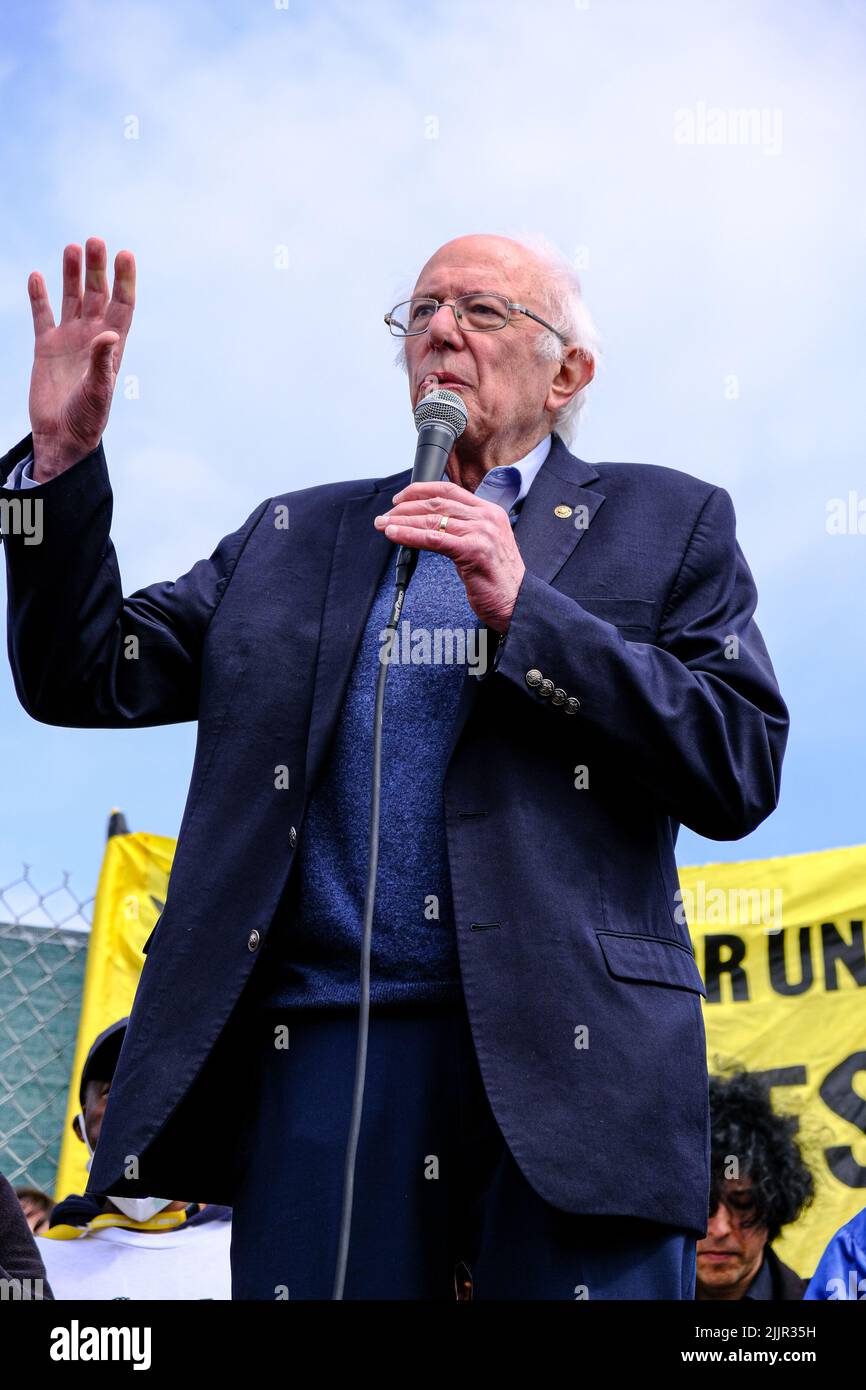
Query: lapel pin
[(562, 510)]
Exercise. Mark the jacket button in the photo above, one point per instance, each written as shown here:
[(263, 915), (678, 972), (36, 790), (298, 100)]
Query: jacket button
[(546, 689), (559, 696), (253, 940), (293, 837), (572, 705), (534, 678)]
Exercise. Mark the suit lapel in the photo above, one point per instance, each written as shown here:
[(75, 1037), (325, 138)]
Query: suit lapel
[(361, 555), (546, 540)]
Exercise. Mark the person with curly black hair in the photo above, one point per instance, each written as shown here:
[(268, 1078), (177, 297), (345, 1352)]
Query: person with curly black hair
[(760, 1182)]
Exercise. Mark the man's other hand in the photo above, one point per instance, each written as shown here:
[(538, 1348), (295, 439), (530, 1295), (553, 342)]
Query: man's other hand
[(75, 363)]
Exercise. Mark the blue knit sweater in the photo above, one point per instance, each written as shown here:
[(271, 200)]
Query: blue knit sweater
[(315, 960), (313, 954)]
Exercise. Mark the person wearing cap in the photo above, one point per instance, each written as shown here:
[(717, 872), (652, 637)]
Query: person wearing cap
[(131, 1247)]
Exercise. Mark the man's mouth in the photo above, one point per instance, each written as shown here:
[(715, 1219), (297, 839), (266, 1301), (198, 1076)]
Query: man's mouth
[(434, 380)]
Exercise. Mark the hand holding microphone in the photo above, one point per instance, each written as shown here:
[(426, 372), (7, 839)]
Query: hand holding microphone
[(440, 419), (478, 535)]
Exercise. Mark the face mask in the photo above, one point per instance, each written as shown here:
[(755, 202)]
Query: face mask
[(140, 1208), (136, 1208), (81, 1123)]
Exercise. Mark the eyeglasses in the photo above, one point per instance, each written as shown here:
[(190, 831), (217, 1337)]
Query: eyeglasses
[(475, 313)]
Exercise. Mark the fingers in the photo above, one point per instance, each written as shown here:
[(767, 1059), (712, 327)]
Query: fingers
[(403, 526), (424, 511), (101, 369), (43, 319), (424, 529), (119, 311), (416, 491), (95, 281), (71, 305), (456, 547), (95, 303)]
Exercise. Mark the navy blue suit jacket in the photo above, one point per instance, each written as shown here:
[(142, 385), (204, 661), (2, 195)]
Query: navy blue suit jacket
[(564, 899)]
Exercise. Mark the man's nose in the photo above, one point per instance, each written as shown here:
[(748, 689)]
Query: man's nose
[(443, 327), (719, 1223)]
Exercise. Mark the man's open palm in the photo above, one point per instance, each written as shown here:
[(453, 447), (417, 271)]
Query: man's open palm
[(76, 362)]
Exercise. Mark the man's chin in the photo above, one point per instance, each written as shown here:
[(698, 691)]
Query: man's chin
[(718, 1274)]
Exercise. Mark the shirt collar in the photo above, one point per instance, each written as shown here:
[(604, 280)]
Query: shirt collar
[(508, 484), (761, 1286)]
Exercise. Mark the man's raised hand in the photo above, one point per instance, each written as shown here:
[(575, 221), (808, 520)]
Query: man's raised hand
[(75, 363)]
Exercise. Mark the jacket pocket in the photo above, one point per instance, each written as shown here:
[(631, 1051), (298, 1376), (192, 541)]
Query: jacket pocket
[(653, 958), (634, 614)]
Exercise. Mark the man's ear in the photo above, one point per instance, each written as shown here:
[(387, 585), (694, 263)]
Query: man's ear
[(575, 371), (76, 1125)]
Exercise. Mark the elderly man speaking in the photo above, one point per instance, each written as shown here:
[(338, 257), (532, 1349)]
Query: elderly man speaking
[(535, 1121)]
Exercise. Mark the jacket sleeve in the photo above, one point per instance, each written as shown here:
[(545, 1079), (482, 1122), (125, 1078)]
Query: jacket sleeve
[(696, 717), (82, 655), (19, 1254)]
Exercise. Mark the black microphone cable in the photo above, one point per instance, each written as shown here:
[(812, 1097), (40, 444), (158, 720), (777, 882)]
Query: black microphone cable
[(441, 418)]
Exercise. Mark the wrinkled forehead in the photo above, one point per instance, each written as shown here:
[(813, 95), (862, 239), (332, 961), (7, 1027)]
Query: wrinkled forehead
[(447, 275)]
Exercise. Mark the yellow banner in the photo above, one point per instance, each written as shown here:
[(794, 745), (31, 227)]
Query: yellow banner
[(780, 945), (129, 898)]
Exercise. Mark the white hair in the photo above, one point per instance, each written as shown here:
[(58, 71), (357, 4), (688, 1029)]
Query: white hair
[(562, 305)]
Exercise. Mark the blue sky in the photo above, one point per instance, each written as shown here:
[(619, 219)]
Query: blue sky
[(727, 281)]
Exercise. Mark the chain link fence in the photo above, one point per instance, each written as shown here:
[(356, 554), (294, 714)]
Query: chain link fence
[(44, 935)]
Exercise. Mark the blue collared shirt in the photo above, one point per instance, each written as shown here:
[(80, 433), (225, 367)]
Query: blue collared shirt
[(508, 484)]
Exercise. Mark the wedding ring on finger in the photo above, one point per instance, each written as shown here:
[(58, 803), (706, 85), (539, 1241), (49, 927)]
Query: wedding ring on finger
[(443, 521)]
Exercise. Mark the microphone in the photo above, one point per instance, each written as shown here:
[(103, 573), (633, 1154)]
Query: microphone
[(440, 419)]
